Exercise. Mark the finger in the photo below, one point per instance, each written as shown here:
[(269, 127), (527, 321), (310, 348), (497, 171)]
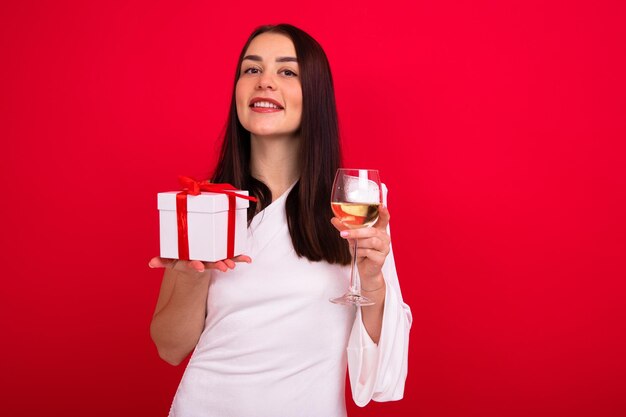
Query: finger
[(219, 265), (242, 258), (338, 224), (197, 265), (230, 263), (383, 219), (158, 262), (360, 233), (376, 243), (371, 254)]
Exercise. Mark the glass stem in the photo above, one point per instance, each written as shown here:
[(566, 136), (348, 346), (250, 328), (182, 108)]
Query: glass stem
[(355, 283)]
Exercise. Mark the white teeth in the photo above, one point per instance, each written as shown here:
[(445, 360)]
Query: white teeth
[(265, 104)]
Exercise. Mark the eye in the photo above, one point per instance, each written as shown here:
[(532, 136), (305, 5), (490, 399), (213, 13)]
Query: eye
[(252, 70), (289, 73)]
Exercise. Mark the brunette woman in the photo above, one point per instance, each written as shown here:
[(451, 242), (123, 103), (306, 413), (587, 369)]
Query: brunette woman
[(265, 339)]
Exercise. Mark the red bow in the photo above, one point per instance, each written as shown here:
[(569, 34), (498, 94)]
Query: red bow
[(193, 187)]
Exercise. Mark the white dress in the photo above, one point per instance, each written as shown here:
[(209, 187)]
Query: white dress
[(274, 346)]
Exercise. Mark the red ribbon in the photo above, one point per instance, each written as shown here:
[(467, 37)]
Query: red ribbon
[(193, 187)]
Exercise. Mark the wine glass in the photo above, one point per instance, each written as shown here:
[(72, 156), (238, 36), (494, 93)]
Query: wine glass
[(355, 200)]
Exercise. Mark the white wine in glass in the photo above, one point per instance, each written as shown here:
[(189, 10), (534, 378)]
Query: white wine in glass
[(355, 200)]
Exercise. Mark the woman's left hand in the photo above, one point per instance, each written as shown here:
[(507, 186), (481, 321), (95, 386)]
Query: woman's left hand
[(372, 248)]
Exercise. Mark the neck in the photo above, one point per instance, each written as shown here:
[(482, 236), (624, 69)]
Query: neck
[(274, 160)]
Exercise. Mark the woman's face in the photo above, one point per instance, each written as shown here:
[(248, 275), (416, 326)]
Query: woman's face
[(268, 92)]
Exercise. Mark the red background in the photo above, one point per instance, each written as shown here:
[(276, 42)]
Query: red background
[(499, 128)]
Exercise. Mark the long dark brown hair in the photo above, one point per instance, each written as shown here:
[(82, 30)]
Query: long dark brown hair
[(308, 204)]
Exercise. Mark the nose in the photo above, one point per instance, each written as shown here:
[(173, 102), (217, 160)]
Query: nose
[(266, 81)]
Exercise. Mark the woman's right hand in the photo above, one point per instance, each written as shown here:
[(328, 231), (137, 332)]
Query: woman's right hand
[(197, 266)]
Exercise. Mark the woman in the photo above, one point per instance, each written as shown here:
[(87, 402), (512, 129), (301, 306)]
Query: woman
[(265, 339)]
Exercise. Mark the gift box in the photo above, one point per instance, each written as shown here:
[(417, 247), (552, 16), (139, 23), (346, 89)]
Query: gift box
[(203, 225)]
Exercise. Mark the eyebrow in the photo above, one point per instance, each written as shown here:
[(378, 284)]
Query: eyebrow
[(279, 59)]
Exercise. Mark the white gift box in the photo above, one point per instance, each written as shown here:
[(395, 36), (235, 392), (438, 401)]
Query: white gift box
[(207, 225)]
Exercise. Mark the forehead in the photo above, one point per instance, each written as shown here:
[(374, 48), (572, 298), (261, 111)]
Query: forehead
[(270, 45)]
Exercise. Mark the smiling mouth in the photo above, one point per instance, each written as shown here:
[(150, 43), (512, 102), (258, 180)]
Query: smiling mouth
[(265, 105)]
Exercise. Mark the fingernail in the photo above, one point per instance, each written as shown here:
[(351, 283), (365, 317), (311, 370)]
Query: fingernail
[(344, 233), (150, 265)]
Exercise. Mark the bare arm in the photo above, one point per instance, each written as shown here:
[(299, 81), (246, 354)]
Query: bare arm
[(180, 311)]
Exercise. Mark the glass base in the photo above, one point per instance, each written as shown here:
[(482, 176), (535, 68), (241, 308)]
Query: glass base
[(349, 299)]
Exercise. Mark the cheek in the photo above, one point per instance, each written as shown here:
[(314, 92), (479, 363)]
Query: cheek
[(300, 111), (296, 99), (240, 99)]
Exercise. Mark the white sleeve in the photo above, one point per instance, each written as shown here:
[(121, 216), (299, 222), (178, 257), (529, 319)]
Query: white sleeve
[(378, 372)]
